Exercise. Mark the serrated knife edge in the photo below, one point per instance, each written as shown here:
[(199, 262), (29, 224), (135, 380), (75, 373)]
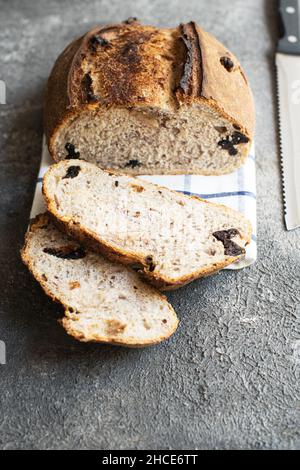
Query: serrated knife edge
[(288, 89), (288, 79)]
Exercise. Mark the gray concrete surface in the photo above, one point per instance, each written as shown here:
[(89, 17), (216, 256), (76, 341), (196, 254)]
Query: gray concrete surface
[(229, 377)]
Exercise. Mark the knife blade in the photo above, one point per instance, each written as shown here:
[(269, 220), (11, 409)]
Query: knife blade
[(288, 81)]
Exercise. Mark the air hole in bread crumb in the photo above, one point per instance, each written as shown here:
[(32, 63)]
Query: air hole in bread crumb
[(66, 252)]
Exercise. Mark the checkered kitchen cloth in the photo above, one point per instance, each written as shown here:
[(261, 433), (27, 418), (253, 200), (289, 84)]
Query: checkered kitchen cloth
[(236, 190)]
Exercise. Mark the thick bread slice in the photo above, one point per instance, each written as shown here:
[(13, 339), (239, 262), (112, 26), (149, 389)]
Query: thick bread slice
[(171, 237), (150, 100), (104, 301)]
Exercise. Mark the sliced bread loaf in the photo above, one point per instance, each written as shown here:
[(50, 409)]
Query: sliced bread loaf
[(104, 301), (172, 238), (150, 101)]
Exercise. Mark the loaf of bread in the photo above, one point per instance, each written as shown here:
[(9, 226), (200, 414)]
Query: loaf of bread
[(104, 301), (169, 237), (146, 100)]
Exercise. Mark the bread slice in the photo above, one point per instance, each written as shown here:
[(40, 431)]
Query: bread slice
[(148, 100), (104, 301), (172, 238)]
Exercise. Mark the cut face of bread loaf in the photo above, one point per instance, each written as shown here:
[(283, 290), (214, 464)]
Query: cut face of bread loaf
[(171, 238), (104, 301), (150, 101)]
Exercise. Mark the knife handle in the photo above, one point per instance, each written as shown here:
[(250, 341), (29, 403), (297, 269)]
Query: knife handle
[(289, 13)]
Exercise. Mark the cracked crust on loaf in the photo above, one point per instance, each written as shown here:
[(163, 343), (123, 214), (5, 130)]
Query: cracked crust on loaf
[(148, 100)]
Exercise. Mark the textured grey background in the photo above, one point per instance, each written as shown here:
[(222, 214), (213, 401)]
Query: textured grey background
[(228, 378)]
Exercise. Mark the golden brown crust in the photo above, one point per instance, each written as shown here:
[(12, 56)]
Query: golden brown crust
[(206, 77), (131, 65), (227, 90), (127, 68), (122, 256), (43, 219), (57, 103)]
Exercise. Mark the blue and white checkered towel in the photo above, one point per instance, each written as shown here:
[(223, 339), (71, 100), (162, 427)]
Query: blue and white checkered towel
[(236, 190)]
